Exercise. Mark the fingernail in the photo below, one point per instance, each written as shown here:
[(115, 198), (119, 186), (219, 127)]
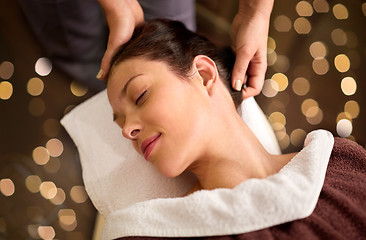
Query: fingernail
[(100, 74), (238, 85)]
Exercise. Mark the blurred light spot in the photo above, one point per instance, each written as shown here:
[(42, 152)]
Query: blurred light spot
[(36, 107), (55, 147), (282, 23), (281, 80), (35, 86), (59, 198), (7, 187), (40, 155), (48, 190), (304, 9), (344, 128), (301, 86), (297, 137), (320, 66), (318, 50), (276, 106), (344, 115), (314, 119), (364, 8), (32, 182), (277, 120), (283, 139), (271, 45), (51, 127), (35, 213), (339, 37), (302, 25), (67, 219), (271, 58), (6, 70), (342, 63), (307, 104), (53, 165), (6, 90), (348, 86), (2, 225), (46, 232), (43, 66), (352, 40), (282, 64), (321, 6), (270, 88), (340, 11), (78, 89), (32, 231), (352, 108), (78, 194)]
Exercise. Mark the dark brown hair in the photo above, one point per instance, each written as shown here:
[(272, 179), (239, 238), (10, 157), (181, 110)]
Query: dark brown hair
[(172, 43)]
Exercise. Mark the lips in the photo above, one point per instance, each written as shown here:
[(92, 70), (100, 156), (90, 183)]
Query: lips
[(148, 145)]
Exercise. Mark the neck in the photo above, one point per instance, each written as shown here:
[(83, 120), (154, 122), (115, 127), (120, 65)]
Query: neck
[(234, 157)]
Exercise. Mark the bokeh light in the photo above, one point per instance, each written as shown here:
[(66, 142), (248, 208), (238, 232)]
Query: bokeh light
[(270, 88), (277, 120), (46, 232), (302, 25), (78, 194), (282, 64), (6, 70), (321, 6), (320, 66), (7, 187), (48, 189), (304, 9), (340, 11), (35, 86), (36, 107), (40, 155), (364, 8), (33, 182), (282, 23), (59, 198), (352, 108), (271, 58), (43, 66), (301, 86), (342, 63), (53, 165), (297, 137), (344, 128), (348, 86), (283, 139), (318, 50), (78, 89), (344, 115), (67, 219), (281, 80), (271, 45), (6, 90), (54, 147), (339, 37)]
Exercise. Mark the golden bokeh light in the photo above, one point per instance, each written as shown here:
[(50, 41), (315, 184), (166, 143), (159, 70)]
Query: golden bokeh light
[(6, 70), (307, 104), (318, 50), (321, 6), (33, 182), (51, 127), (342, 63), (53, 165), (364, 8), (48, 189), (277, 120), (344, 128), (46, 232), (344, 115), (7, 187), (282, 23), (352, 108), (281, 80), (6, 90), (270, 88), (40, 155), (302, 25), (340, 11), (43, 66), (32, 231), (315, 116), (282, 64), (271, 45), (55, 147), (304, 9), (78, 89), (271, 58), (67, 219), (297, 137), (348, 86), (78, 194), (339, 37), (301, 86), (283, 139), (36, 107), (320, 66), (59, 198), (35, 86)]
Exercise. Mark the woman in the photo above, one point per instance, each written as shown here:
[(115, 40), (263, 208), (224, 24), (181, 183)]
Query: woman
[(170, 93)]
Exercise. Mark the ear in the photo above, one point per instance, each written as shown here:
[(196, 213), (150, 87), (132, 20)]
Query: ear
[(207, 71)]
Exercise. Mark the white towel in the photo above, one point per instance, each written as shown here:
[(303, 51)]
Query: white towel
[(114, 175), (255, 204)]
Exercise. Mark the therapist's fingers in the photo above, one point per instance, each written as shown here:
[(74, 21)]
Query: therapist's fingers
[(241, 64), (256, 74)]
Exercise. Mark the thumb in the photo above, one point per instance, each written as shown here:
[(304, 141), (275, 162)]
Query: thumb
[(240, 70)]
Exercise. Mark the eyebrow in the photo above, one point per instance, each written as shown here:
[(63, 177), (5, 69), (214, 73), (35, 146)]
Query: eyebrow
[(124, 90)]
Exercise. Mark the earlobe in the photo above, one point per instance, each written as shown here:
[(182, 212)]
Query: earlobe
[(207, 71)]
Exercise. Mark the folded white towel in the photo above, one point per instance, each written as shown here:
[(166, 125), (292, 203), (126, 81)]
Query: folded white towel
[(114, 175), (255, 204)]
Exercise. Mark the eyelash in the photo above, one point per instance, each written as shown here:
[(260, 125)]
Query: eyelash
[(140, 97)]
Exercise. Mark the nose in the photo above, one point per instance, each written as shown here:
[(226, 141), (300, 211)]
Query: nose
[(131, 130)]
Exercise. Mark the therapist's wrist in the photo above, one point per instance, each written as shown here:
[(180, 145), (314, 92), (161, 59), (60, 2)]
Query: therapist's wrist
[(251, 8)]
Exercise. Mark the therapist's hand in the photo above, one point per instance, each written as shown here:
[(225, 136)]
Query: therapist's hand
[(122, 17), (249, 34)]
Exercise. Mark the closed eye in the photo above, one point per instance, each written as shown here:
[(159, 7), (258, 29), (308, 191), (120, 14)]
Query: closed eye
[(138, 100)]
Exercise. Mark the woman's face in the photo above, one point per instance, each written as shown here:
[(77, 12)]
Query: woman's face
[(164, 116)]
